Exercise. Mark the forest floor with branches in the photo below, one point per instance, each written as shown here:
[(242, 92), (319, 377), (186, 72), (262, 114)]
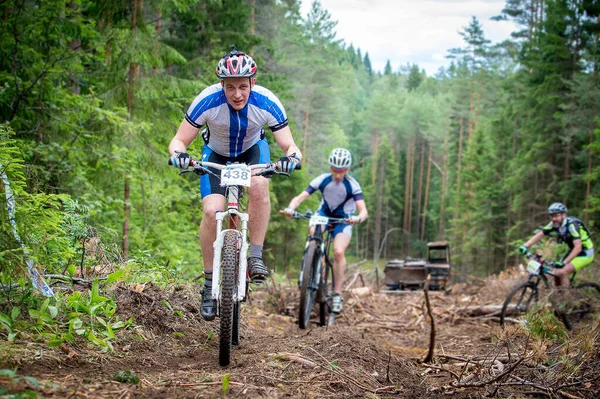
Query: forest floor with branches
[(375, 350)]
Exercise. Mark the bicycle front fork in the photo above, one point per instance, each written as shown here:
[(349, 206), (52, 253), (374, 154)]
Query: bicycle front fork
[(240, 294)]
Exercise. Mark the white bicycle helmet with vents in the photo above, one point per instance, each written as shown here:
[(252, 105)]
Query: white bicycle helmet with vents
[(340, 158), (236, 64)]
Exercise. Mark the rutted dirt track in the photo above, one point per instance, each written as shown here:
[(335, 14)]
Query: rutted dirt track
[(373, 351)]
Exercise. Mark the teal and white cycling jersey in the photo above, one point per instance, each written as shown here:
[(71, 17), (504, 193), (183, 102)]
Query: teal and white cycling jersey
[(230, 132)]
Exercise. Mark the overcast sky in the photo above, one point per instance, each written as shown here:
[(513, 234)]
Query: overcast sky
[(411, 31)]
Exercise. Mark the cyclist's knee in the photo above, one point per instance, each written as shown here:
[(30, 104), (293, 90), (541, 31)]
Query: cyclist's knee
[(568, 269), (338, 253), (260, 195), (259, 186), (561, 272), (209, 211)]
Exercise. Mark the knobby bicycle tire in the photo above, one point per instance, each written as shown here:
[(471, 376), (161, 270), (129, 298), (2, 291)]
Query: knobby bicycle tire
[(229, 266), (235, 338), (524, 294), (326, 316), (307, 294)]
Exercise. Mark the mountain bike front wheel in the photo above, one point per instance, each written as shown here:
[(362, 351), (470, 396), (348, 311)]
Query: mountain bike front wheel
[(229, 267), (235, 334), (307, 290), (519, 300)]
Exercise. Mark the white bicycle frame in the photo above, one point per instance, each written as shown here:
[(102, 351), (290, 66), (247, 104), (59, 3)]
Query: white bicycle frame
[(232, 210), (218, 246)]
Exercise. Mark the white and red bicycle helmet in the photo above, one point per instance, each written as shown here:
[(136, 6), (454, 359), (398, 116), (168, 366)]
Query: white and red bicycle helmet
[(236, 64)]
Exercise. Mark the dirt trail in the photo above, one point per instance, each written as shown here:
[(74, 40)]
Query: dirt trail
[(373, 351)]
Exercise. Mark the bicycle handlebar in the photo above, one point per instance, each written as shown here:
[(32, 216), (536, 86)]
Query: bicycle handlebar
[(544, 262), (268, 169), (309, 214)]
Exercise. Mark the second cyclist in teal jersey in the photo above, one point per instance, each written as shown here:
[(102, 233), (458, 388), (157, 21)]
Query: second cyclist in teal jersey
[(341, 197)]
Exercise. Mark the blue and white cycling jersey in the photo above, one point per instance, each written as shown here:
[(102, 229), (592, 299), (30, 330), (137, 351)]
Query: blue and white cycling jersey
[(232, 132), (339, 199)]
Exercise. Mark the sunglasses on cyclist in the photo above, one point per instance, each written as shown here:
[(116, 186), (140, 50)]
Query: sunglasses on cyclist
[(335, 170)]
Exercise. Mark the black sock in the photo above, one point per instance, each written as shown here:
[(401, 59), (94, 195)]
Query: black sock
[(256, 251), (208, 278)]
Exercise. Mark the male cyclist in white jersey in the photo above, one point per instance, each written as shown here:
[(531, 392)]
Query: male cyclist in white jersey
[(342, 195), (235, 112)]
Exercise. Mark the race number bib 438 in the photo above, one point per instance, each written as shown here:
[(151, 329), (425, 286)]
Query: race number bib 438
[(236, 175)]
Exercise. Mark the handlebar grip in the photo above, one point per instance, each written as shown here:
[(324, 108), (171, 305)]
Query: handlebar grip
[(170, 162), (298, 166)]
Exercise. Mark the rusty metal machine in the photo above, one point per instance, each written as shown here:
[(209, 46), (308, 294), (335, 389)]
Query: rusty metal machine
[(438, 264), (411, 274)]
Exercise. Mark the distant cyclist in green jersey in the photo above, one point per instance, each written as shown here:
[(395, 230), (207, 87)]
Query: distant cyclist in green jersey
[(575, 234)]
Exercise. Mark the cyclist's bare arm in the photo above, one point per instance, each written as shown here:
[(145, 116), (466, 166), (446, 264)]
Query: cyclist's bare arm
[(285, 141), (577, 247), (183, 138), (362, 210), (296, 201), (537, 237)]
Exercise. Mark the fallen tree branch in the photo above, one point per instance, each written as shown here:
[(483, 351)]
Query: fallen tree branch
[(484, 383), (296, 358), (352, 281), (431, 366), (73, 280)]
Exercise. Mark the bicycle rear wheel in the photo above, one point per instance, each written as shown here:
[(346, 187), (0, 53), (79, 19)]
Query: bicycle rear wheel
[(307, 290), (228, 285), (519, 300)]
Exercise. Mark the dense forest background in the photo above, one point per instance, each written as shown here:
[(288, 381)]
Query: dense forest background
[(92, 92)]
